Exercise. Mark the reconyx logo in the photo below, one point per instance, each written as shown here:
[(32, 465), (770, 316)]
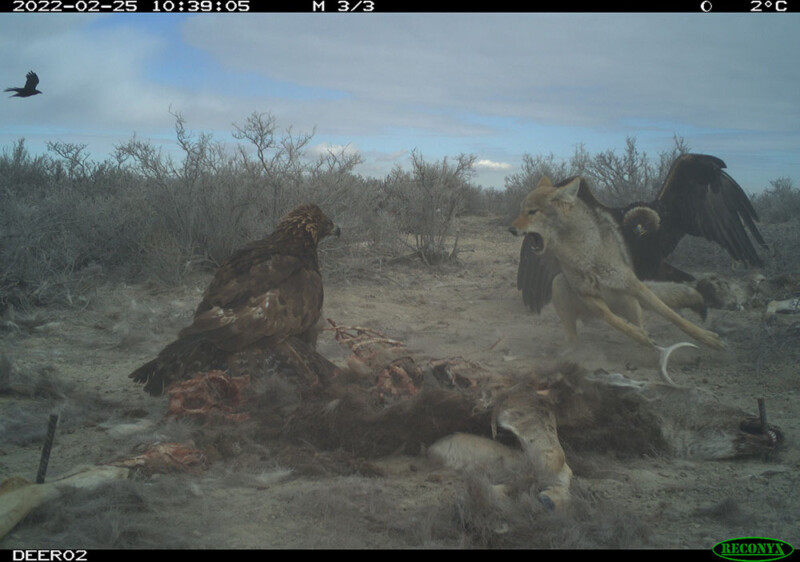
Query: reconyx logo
[(749, 549)]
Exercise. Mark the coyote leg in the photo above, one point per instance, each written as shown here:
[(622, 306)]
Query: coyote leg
[(651, 301), (627, 307), (600, 308), (567, 306)]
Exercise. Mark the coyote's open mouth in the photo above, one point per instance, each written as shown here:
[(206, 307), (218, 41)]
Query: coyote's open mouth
[(537, 242)]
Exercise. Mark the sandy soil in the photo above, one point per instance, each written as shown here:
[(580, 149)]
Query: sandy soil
[(76, 363)]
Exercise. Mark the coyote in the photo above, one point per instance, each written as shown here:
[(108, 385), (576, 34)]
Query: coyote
[(697, 198), (579, 236)]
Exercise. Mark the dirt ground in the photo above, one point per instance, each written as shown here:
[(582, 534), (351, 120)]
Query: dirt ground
[(76, 363)]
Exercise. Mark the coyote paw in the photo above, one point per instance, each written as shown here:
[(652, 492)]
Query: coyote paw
[(712, 340), (644, 338)]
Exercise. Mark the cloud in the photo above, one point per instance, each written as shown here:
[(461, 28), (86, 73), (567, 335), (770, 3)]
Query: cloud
[(578, 69), (490, 165)]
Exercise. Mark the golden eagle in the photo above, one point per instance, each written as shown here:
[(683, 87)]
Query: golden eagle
[(697, 198), (29, 89), (264, 293)]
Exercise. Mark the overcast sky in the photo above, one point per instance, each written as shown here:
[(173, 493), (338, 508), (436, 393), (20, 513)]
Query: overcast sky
[(493, 85)]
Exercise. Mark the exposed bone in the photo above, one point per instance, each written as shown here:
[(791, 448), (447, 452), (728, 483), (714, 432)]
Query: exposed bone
[(616, 379), (356, 338), (209, 395), (166, 457), (664, 358)]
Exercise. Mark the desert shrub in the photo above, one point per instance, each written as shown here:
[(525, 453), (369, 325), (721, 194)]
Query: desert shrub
[(616, 179), (21, 174), (67, 222), (58, 234), (778, 204), (202, 206), (477, 201), (213, 202), (275, 168), (632, 175), (493, 201), (425, 201), (784, 240), (534, 168), (329, 180)]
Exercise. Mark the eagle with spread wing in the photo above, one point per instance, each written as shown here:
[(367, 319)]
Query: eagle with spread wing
[(263, 294), (31, 81), (697, 198)]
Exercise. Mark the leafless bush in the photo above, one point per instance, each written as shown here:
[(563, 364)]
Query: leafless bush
[(67, 222), (277, 167), (784, 241), (289, 179), (203, 204), (534, 168), (632, 176), (20, 174), (426, 200), (779, 203), (616, 178), (54, 242), (212, 202)]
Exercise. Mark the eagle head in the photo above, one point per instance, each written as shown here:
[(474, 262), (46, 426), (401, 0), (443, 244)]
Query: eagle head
[(310, 223), (641, 220)]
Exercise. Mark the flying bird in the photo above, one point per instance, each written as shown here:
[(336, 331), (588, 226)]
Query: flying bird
[(29, 89), (264, 293), (697, 198)]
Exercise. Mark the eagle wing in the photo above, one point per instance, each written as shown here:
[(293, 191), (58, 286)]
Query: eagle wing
[(258, 294), (535, 275), (699, 198)]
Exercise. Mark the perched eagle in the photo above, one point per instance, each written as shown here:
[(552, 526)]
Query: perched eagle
[(697, 198), (263, 294), (29, 89)]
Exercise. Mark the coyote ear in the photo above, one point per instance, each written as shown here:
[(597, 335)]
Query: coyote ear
[(545, 181), (569, 192)]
